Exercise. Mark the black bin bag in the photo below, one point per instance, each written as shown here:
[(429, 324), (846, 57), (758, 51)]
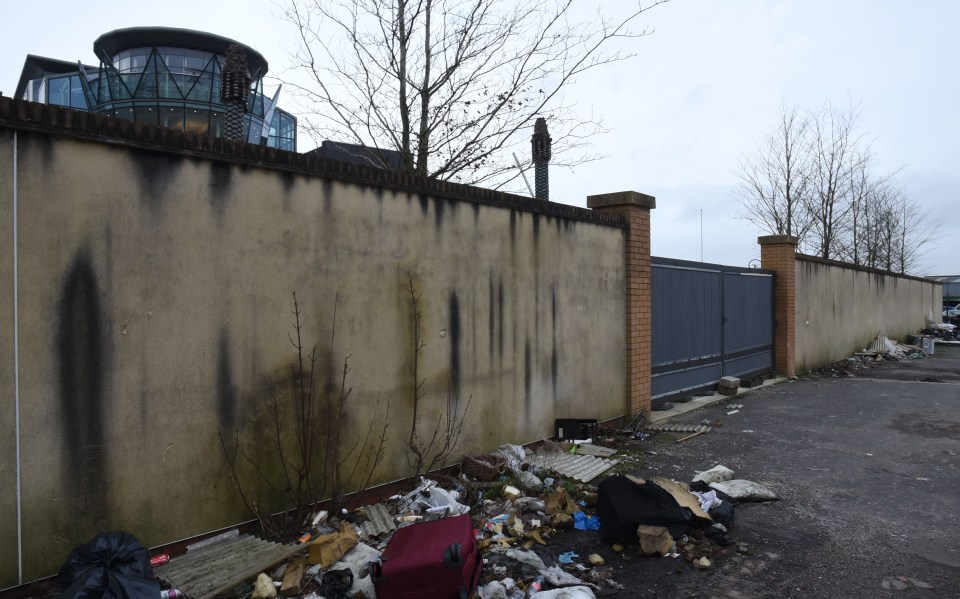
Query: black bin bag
[(111, 566), (624, 504)]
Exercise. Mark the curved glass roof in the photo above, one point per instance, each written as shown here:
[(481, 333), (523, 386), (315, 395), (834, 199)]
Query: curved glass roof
[(109, 44)]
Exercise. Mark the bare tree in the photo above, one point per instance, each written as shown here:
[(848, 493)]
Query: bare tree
[(915, 234), (429, 445), (450, 85), (775, 178), (839, 156), (814, 178)]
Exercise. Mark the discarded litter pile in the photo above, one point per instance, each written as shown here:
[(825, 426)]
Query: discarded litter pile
[(884, 349), (475, 535), (943, 332)]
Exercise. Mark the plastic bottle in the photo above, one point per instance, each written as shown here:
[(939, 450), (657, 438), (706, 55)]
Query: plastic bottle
[(536, 585)]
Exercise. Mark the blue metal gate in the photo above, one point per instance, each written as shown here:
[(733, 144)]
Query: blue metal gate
[(708, 321)]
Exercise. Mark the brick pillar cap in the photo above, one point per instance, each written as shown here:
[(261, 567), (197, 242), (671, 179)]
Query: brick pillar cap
[(778, 240), (622, 198)]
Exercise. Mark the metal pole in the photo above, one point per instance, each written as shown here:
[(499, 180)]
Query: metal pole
[(701, 235), (522, 174)]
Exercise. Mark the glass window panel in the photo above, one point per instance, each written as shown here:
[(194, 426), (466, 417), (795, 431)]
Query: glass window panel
[(185, 82), (172, 117), (194, 64), (137, 62), (130, 80), (58, 91), (254, 129), (201, 89), (288, 126), (118, 90), (198, 119), (275, 125), (258, 105), (103, 91), (146, 114), (167, 86), (148, 83), (216, 123), (76, 93), (125, 112), (32, 91)]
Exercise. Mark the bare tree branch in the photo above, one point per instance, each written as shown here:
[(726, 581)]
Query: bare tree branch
[(451, 85), (813, 177)]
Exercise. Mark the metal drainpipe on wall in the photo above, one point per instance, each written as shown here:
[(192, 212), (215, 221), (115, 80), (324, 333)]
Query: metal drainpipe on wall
[(16, 367)]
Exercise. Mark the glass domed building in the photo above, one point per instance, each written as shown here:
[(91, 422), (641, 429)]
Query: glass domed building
[(164, 76)]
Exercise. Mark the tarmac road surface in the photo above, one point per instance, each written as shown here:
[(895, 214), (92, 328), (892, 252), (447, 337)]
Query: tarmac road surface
[(868, 470)]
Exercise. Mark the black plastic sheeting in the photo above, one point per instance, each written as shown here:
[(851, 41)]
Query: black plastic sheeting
[(623, 504), (111, 566)]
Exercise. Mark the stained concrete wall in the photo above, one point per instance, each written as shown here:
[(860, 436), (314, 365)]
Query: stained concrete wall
[(8, 447), (155, 298), (840, 309)]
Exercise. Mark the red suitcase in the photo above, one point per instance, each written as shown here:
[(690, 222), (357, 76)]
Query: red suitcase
[(437, 559)]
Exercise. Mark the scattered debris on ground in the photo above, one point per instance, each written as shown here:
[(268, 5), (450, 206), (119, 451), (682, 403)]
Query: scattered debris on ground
[(883, 349), (484, 533)]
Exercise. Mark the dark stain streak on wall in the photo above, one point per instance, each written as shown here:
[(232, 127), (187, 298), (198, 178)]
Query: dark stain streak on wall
[(553, 353), (226, 392), (221, 179), (500, 302), (156, 172), (327, 190), (491, 312), (288, 180), (81, 361), (455, 338), (527, 380), (424, 202), (44, 144), (439, 205)]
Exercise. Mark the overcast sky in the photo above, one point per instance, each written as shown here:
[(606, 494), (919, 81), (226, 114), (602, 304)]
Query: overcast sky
[(700, 92)]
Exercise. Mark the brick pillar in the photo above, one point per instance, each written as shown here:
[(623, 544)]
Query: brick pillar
[(779, 253), (635, 209)]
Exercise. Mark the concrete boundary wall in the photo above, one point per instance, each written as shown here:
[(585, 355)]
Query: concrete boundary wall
[(840, 308), (826, 310), (155, 270)]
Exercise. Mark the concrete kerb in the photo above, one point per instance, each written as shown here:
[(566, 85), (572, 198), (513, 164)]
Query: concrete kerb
[(700, 402)]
